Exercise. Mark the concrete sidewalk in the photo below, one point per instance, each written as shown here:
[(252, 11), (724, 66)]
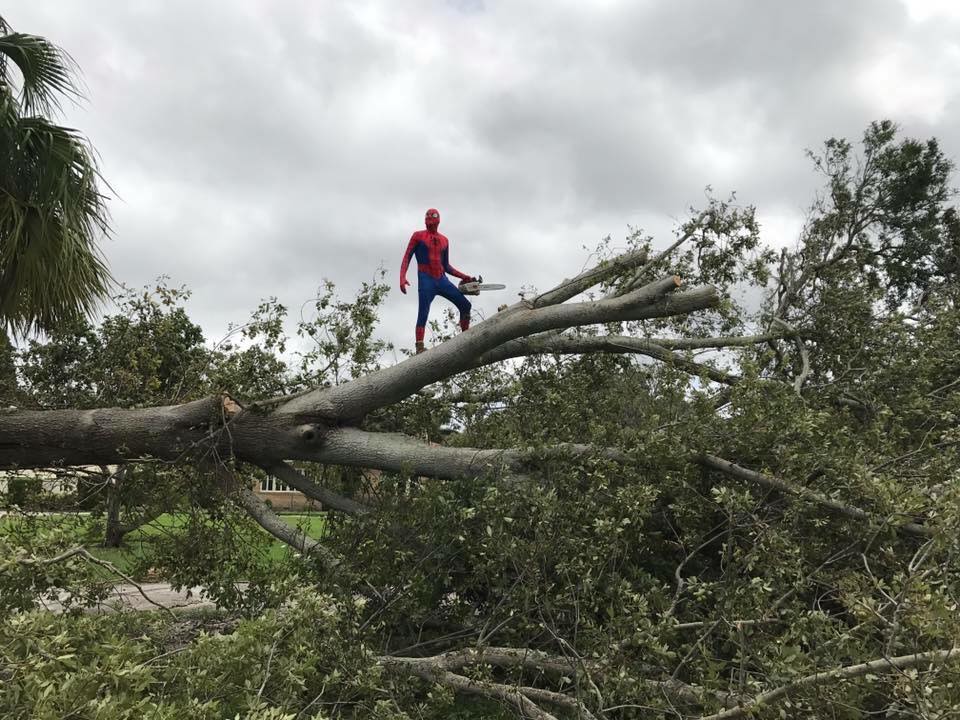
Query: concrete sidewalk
[(127, 597)]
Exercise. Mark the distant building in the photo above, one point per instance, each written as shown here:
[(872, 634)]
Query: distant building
[(269, 489), (55, 483), (281, 496)]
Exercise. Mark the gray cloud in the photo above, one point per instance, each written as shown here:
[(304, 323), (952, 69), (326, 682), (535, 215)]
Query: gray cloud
[(258, 147)]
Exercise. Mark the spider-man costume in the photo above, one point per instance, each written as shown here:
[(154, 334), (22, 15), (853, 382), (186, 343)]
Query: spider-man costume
[(433, 263)]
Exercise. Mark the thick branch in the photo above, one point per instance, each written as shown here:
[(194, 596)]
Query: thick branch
[(213, 427), (439, 668), (503, 657), (217, 427), (542, 662), (266, 518), (716, 342), (106, 436), (833, 506), (148, 516), (639, 274), (550, 343), (882, 665), (464, 397), (395, 452), (421, 667), (559, 699), (587, 279), (289, 475), (349, 402), (267, 441)]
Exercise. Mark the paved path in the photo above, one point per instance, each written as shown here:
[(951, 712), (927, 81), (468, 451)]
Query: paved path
[(128, 597)]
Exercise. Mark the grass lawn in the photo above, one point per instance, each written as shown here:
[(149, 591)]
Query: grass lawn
[(138, 542)]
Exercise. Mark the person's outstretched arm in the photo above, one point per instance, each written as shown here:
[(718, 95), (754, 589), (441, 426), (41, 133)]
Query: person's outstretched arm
[(411, 246)]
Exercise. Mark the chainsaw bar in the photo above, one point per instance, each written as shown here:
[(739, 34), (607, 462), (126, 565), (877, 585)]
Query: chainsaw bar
[(474, 288)]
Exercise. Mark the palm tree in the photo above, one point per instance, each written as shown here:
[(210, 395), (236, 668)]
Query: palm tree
[(52, 210)]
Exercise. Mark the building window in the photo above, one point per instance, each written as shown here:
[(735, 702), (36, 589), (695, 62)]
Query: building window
[(271, 484)]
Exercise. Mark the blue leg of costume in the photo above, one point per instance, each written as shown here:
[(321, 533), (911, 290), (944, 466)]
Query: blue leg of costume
[(426, 292), (451, 292), (428, 288)]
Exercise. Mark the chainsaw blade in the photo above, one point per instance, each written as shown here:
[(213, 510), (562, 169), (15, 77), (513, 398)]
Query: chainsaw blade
[(474, 288)]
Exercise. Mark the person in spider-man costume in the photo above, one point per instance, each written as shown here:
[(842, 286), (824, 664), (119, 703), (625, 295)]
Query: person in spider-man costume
[(433, 263)]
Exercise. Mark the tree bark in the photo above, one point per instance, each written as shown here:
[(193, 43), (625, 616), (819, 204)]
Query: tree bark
[(114, 532), (347, 404), (315, 426), (284, 472), (878, 666), (8, 371), (551, 343), (214, 426)]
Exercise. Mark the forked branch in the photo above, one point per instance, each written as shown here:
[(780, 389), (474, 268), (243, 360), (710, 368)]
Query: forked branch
[(810, 496), (849, 672), (346, 404)]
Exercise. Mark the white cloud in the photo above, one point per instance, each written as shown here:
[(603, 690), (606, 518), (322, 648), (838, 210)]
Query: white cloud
[(924, 10), (258, 147), (912, 83)]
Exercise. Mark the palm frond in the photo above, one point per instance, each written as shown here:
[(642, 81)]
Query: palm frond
[(52, 212), (47, 71), (51, 215)]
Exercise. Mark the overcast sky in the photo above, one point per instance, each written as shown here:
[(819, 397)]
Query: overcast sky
[(256, 147)]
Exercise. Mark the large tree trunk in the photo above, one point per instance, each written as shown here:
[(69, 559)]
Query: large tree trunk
[(315, 426), (8, 371), (321, 425), (114, 531), (219, 433)]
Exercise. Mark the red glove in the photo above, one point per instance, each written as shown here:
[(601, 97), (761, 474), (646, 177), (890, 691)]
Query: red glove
[(403, 284)]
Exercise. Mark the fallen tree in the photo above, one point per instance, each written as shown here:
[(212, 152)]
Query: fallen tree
[(623, 493)]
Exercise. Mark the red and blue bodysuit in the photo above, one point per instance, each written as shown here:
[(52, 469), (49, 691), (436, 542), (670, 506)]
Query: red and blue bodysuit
[(433, 263)]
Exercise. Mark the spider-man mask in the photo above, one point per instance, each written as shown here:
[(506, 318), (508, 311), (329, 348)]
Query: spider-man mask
[(432, 219)]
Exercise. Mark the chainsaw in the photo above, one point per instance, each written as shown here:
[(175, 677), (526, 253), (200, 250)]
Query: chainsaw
[(474, 288)]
